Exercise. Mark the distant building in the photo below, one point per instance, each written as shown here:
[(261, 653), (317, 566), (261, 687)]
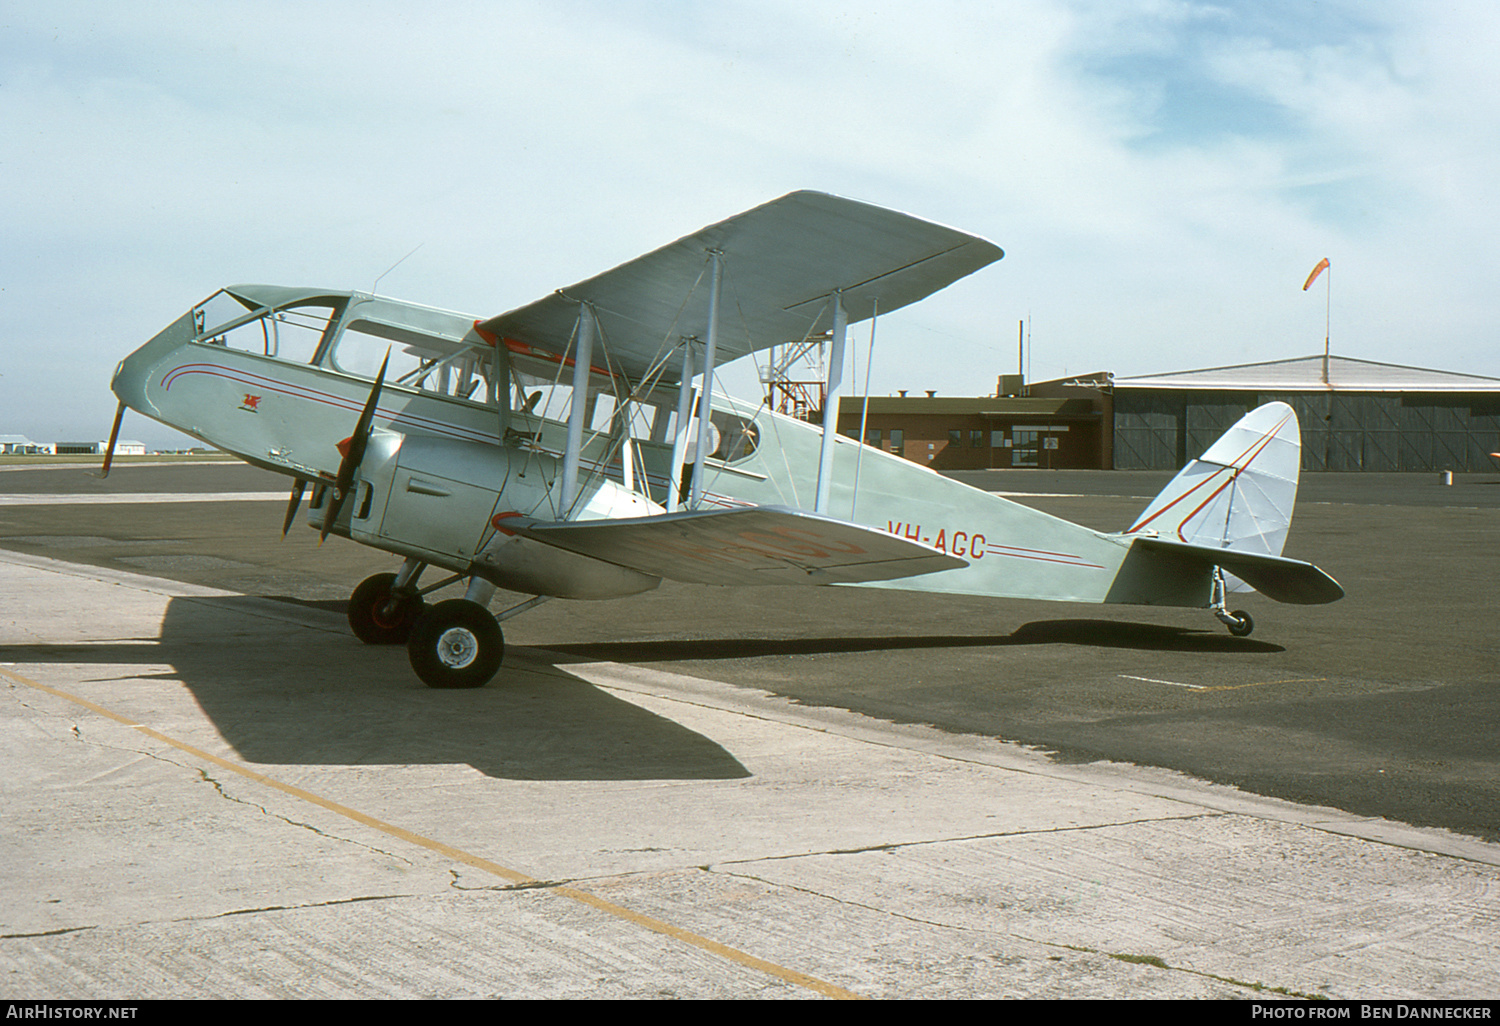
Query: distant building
[(1355, 414), (20, 445), (122, 448), (1054, 426)]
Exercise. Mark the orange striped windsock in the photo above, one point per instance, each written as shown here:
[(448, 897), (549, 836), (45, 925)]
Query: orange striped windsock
[(1322, 266)]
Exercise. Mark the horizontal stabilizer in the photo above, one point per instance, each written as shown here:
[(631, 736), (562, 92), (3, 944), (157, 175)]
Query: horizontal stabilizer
[(1276, 577), (753, 545)]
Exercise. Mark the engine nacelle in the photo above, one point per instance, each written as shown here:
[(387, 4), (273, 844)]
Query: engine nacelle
[(444, 501)]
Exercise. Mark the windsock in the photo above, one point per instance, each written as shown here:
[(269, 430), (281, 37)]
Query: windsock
[(1322, 266)]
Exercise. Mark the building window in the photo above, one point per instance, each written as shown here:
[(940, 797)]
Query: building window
[(898, 437), (955, 437), (976, 439), (872, 437)]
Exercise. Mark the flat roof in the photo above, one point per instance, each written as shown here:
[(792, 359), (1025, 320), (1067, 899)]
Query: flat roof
[(982, 406), (1305, 374)]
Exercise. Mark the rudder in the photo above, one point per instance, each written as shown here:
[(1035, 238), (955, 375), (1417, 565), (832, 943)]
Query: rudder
[(1239, 494)]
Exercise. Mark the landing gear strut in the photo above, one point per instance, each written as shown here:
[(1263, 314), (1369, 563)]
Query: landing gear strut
[(1239, 622)]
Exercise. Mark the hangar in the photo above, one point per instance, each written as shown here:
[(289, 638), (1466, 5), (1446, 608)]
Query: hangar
[(1355, 414)]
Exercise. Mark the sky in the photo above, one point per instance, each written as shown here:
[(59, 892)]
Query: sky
[(1162, 174)]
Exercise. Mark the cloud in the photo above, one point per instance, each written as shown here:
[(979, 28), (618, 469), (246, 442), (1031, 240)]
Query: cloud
[(1161, 174)]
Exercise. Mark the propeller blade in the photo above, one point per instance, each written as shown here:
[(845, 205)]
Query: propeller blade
[(114, 436), (293, 504), (335, 506), (355, 453)]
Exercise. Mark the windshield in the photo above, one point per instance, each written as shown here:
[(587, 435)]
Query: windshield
[(290, 333)]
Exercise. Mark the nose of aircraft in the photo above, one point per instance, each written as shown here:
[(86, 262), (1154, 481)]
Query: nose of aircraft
[(133, 374)]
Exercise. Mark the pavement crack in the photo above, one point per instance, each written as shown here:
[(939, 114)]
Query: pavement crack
[(1151, 961), (890, 846), (219, 789), (519, 885), (47, 933), (332, 902), (1157, 962)]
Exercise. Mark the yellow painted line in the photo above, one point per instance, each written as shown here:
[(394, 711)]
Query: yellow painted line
[(457, 854)]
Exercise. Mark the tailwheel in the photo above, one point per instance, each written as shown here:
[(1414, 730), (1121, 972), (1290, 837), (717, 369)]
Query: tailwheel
[(456, 644), (379, 614), (1238, 622)]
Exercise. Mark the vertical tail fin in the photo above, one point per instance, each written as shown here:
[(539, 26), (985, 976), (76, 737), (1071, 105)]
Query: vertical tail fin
[(1240, 493)]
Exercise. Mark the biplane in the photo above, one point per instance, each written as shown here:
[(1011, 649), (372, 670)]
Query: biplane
[(425, 433)]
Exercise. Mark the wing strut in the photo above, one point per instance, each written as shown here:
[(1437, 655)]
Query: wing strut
[(705, 395), (831, 403), (679, 443), (583, 357)]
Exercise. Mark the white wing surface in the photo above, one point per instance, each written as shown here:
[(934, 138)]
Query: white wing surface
[(781, 261), (753, 545)]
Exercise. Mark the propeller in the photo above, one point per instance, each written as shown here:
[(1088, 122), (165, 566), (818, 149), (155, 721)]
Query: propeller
[(353, 450), (114, 436), (298, 488)]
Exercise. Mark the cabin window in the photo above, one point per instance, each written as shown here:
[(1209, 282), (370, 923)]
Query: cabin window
[(364, 345), (738, 436), (360, 352)]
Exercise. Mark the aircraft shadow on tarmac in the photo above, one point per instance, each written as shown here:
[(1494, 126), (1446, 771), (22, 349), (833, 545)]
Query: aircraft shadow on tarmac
[(1093, 633), (284, 695)]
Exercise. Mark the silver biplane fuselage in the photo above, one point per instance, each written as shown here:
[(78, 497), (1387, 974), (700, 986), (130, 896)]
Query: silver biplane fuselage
[(421, 433)]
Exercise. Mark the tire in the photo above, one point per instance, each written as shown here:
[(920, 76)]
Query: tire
[(1243, 625), (374, 620), (456, 644)]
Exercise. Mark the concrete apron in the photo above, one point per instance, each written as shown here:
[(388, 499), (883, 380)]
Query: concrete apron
[(212, 795)]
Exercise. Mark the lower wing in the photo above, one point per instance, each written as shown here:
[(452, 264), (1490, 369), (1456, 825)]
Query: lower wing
[(753, 545)]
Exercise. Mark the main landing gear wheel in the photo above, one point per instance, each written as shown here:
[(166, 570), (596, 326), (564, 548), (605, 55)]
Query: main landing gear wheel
[(379, 617), (1242, 625), (456, 644)]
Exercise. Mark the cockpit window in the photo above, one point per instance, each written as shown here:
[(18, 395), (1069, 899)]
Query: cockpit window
[(291, 333)]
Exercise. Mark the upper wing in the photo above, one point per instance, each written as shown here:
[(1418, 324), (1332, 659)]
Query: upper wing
[(781, 261), (753, 545)]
